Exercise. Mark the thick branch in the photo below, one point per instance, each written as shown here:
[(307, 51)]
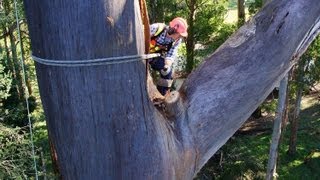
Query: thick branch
[(228, 86)]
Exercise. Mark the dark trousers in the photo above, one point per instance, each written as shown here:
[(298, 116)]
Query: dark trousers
[(158, 65)]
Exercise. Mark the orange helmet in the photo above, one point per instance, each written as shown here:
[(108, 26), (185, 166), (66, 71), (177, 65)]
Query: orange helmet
[(180, 25)]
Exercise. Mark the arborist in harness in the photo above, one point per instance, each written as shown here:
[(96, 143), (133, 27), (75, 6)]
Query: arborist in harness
[(166, 40)]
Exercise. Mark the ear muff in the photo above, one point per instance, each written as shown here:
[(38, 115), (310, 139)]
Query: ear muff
[(171, 30)]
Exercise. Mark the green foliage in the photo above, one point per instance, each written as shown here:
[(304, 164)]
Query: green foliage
[(180, 62), (12, 101), (269, 107), (208, 20), (311, 59), (7, 13), (254, 6), (218, 38), (5, 84), (15, 154), (232, 4), (16, 111)]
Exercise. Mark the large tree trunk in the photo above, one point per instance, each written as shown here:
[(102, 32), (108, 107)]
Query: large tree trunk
[(100, 118)]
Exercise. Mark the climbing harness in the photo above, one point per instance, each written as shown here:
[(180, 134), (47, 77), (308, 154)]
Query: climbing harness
[(94, 62), (27, 92)]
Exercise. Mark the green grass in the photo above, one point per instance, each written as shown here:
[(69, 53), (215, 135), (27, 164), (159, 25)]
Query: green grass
[(246, 156)]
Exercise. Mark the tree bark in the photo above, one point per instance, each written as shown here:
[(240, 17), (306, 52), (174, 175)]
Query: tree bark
[(276, 134), (190, 39), (28, 82), (241, 13), (296, 110), (100, 118)]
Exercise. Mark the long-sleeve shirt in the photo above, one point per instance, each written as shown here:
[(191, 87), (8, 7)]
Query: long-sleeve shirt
[(163, 39)]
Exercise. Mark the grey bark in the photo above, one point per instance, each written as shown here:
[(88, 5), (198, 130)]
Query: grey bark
[(277, 126), (100, 118), (228, 86)]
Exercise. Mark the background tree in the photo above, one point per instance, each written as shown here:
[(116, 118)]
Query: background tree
[(15, 149), (14, 111), (307, 73), (205, 19), (241, 13), (277, 127)]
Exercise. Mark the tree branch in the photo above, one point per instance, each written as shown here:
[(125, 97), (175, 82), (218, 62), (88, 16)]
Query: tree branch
[(228, 86)]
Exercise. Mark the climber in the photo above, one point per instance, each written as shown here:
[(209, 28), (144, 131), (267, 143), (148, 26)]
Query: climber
[(166, 40)]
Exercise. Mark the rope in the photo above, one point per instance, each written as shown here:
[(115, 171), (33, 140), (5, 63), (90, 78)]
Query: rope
[(27, 92), (94, 62)]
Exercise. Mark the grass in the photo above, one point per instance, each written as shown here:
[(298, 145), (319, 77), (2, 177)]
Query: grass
[(246, 156)]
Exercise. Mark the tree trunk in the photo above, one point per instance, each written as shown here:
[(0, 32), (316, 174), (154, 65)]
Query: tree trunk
[(17, 67), (190, 39), (27, 77), (10, 60), (100, 118), (241, 13), (296, 110), (285, 119), (294, 124), (276, 134), (9, 63)]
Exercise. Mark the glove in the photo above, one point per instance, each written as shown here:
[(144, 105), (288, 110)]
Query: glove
[(167, 63), (166, 70), (167, 67)]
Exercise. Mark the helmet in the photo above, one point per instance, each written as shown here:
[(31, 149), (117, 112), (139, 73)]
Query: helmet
[(180, 25)]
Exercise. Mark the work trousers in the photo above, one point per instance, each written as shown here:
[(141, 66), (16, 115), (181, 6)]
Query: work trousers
[(165, 81)]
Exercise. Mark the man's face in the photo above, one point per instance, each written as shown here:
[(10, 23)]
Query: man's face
[(175, 36)]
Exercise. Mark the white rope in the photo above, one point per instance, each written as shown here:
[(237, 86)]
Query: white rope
[(27, 92), (95, 62)]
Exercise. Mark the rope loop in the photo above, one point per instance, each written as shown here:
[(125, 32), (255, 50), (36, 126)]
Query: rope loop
[(94, 62)]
